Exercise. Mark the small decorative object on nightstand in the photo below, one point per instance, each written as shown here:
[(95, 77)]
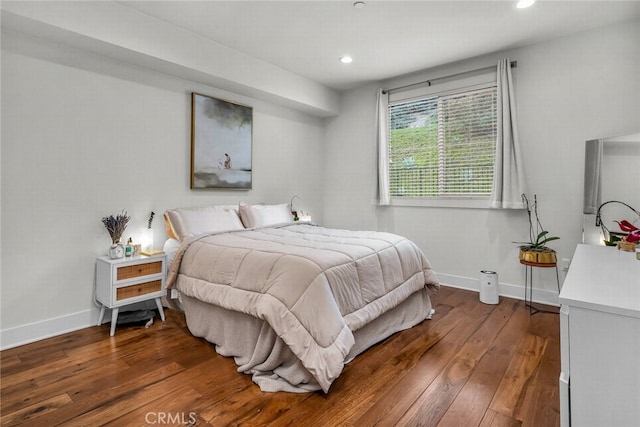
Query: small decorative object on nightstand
[(125, 281), (116, 251)]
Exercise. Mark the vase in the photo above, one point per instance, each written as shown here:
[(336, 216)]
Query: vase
[(546, 256), (116, 250)]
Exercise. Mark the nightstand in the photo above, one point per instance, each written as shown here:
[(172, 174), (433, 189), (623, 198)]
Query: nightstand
[(125, 281)]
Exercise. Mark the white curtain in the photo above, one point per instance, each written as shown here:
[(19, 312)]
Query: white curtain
[(508, 173), (384, 197), (592, 171)]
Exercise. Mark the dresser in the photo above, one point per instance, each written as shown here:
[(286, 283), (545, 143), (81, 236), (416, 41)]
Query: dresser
[(600, 339)]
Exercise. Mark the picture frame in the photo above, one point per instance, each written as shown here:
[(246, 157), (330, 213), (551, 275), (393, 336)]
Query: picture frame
[(221, 144)]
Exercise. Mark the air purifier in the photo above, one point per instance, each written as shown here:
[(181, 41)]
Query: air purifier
[(489, 287)]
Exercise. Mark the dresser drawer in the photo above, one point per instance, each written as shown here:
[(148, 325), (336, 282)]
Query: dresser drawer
[(138, 289), (138, 270)]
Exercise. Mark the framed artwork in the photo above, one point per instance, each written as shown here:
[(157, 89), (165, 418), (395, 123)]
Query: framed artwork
[(221, 138)]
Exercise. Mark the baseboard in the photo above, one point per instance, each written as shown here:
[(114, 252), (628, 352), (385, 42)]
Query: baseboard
[(541, 296), (43, 329), (25, 334), (36, 331)]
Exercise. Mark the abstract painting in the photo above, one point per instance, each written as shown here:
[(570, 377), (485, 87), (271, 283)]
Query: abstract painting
[(221, 138)]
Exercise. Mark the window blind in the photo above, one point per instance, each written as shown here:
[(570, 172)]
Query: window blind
[(443, 146)]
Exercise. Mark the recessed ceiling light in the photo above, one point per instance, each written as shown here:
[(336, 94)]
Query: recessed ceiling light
[(359, 5), (524, 3), (346, 59)]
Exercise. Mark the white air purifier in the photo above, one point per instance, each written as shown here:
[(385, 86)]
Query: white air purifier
[(489, 287)]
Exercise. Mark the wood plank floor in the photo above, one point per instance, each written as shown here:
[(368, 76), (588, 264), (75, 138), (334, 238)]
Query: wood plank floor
[(471, 365)]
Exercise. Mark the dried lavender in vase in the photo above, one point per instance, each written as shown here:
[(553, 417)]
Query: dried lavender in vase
[(116, 225)]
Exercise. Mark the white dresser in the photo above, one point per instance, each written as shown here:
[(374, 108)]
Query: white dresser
[(600, 339)]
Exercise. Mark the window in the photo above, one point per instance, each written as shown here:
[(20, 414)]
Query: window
[(442, 146)]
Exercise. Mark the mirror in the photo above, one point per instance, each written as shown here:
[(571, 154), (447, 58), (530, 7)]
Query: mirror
[(612, 172)]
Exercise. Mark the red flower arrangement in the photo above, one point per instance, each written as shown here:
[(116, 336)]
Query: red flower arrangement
[(633, 232)]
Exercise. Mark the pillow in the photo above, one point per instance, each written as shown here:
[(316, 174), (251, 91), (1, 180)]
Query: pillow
[(170, 248), (254, 216), (187, 222)]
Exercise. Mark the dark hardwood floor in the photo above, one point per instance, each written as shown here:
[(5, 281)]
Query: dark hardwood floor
[(471, 365)]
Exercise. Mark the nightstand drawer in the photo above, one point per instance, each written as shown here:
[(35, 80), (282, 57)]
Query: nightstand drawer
[(138, 270), (137, 290)]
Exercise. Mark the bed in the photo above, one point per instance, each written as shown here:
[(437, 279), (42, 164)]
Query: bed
[(292, 302)]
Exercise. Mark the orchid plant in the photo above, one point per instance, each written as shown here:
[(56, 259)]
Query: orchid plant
[(612, 238), (539, 237), (633, 232)]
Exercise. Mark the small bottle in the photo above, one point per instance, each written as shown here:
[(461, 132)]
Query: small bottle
[(128, 250), (638, 252)]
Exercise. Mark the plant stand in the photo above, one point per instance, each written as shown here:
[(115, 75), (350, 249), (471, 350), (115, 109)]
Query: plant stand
[(528, 284)]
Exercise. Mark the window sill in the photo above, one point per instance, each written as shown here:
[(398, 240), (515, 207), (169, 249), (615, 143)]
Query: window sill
[(441, 203)]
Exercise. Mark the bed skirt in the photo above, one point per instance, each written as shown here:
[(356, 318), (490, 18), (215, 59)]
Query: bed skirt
[(258, 351)]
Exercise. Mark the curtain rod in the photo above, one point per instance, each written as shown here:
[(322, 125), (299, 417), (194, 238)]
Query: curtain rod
[(514, 64)]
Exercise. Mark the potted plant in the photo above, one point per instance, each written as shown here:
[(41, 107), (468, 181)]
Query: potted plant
[(536, 251), (632, 237), (629, 235)]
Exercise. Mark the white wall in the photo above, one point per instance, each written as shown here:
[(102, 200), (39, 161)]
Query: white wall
[(84, 137), (116, 30), (568, 91)]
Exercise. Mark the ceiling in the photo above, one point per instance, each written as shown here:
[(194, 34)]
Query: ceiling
[(385, 38)]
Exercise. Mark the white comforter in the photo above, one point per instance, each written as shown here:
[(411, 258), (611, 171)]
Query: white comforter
[(313, 285)]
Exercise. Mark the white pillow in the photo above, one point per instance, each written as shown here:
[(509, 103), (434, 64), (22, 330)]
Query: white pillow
[(254, 216), (187, 222)]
